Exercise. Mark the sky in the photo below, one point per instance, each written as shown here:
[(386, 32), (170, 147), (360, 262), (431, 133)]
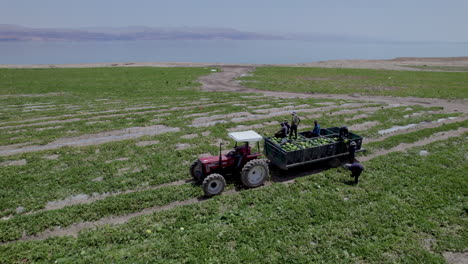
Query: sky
[(397, 20)]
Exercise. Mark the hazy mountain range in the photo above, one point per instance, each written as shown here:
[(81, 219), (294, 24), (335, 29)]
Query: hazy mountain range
[(21, 33)]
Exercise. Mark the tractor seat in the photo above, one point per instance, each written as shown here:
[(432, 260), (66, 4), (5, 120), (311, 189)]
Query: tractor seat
[(242, 149)]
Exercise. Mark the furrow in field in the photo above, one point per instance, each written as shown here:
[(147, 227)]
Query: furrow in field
[(75, 228), (417, 127), (271, 113), (92, 139), (316, 115), (87, 199), (32, 95), (425, 141), (80, 119), (101, 114), (75, 115)]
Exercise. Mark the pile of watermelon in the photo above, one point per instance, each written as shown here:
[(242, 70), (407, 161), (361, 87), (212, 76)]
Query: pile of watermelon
[(302, 143)]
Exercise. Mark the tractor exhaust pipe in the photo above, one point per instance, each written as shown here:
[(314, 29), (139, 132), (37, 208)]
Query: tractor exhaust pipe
[(220, 159)]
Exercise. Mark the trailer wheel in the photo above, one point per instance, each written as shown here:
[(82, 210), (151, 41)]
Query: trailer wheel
[(196, 174), (334, 163), (213, 184), (254, 173)]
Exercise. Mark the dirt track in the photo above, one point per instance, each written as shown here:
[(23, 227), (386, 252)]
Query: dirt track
[(224, 82)]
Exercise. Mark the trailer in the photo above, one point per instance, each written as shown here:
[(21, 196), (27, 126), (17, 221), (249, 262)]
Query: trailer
[(332, 153)]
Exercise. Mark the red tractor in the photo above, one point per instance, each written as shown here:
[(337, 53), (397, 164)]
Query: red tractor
[(210, 171)]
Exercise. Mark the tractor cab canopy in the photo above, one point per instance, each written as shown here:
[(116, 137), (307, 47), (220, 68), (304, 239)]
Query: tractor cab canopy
[(246, 136)]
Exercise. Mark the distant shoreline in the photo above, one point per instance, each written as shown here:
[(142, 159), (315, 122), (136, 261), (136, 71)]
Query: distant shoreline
[(392, 64)]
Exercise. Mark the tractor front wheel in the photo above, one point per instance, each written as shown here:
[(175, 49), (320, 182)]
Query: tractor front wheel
[(194, 171), (213, 184), (254, 173)]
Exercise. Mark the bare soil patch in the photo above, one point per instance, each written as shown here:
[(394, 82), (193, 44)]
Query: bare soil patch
[(364, 126), (31, 95), (48, 128), (51, 157), (189, 136), (456, 257), (20, 162), (182, 146), (147, 143), (119, 159)]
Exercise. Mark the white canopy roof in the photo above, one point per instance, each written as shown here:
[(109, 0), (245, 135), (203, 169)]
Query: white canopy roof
[(246, 136)]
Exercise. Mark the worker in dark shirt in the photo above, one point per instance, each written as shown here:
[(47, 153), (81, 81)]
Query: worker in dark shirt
[(352, 151), (282, 133), (356, 169), (344, 133), (288, 127)]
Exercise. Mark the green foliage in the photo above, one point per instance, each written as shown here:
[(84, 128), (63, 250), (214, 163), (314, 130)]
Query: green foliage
[(402, 201), (363, 81)]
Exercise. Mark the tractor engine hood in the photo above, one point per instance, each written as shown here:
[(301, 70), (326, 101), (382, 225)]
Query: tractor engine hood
[(213, 159)]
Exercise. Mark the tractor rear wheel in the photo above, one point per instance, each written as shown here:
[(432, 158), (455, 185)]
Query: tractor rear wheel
[(213, 184), (195, 176), (254, 173)]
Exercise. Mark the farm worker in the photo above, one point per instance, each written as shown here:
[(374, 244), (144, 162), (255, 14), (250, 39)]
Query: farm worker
[(239, 155), (287, 126), (294, 123), (282, 133), (356, 168), (352, 151), (316, 130), (344, 133)]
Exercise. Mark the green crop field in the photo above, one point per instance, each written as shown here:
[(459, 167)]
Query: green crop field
[(94, 168), (363, 81)]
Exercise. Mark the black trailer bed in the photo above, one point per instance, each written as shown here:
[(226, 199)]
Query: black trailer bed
[(288, 159)]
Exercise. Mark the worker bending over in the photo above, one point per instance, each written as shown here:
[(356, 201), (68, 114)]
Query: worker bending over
[(356, 169)]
